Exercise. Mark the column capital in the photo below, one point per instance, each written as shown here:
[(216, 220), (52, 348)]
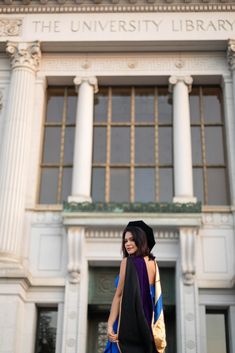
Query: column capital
[(24, 54), (92, 81), (187, 80), (231, 54)]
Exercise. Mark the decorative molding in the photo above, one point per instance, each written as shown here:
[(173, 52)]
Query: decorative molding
[(218, 220), (165, 64), (24, 54), (117, 234), (92, 81), (115, 8), (10, 27), (47, 219), (188, 254), (231, 54), (150, 207)]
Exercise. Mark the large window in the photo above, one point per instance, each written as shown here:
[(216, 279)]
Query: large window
[(217, 331), (57, 156), (133, 145), (208, 146), (132, 150)]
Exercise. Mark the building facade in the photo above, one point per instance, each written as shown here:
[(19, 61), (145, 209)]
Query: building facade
[(113, 111)]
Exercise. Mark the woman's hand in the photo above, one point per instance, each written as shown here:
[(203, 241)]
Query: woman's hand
[(113, 337)]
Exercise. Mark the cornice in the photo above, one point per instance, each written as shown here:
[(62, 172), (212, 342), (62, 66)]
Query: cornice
[(96, 7)]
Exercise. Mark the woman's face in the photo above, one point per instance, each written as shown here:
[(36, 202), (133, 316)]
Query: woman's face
[(130, 245)]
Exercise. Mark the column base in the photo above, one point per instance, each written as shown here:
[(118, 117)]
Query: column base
[(79, 198), (184, 199)]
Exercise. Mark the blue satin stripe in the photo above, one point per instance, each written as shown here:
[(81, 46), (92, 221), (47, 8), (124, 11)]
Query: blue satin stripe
[(158, 308)]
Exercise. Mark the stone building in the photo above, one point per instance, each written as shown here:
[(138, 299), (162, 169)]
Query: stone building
[(110, 111)]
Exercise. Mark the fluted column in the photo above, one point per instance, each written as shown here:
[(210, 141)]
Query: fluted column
[(25, 58), (183, 174), (231, 62), (82, 163)]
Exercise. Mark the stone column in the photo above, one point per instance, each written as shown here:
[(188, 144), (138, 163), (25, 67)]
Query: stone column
[(82, 163), (25, 58), (183, 176), (188, 309), (228, 85), (231, 61)]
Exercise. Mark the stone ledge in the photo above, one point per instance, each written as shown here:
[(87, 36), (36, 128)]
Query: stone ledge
[(135, 207)]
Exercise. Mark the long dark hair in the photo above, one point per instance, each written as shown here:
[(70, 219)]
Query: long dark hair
[(140, 239)]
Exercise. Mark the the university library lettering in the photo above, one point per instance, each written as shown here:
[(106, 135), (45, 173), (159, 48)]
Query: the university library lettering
[(134, 26)]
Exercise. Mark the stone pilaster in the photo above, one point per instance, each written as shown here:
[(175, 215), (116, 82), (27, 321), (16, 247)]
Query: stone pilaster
[(188, 292), (183, 174), (82, 166), (14, 155), (76, 294)]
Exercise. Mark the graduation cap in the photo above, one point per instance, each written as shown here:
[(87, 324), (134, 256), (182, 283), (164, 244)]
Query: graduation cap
[(148, 231)]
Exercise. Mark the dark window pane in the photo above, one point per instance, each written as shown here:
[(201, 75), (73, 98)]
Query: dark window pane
[(165, 145), (196, 145), (144, 145), (52, 145), (66, 183), (217, 191), (120, 145), (214, 145), (71, 109), (166, 184), (49, 185), (198, 184), (99, 145), (69, 145), (101, 105), (98, 184), (121, 104), (212, 105), (55, 107), (46, 331), (164, 107), (194, 106), (144, 184), (216, 333), (144, 104), (119, 185)]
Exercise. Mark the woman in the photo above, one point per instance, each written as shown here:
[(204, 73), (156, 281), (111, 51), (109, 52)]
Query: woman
[(136, 323)]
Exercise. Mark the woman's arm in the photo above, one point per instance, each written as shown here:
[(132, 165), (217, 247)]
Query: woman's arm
[(116, 302)]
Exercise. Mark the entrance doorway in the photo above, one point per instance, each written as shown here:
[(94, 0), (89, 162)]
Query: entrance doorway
[(101, 291)]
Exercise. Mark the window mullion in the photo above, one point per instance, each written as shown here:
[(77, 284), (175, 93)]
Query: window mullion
[(108, 146), (132, 147), (62, 141), (203, 138), (157, 172)]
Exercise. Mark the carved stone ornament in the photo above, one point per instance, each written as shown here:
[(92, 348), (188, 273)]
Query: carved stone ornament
[(173, 80), (99, 6), (188, 254), (91, 80), (24, 54), (75, 235), (231, 54), (10, 28)]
